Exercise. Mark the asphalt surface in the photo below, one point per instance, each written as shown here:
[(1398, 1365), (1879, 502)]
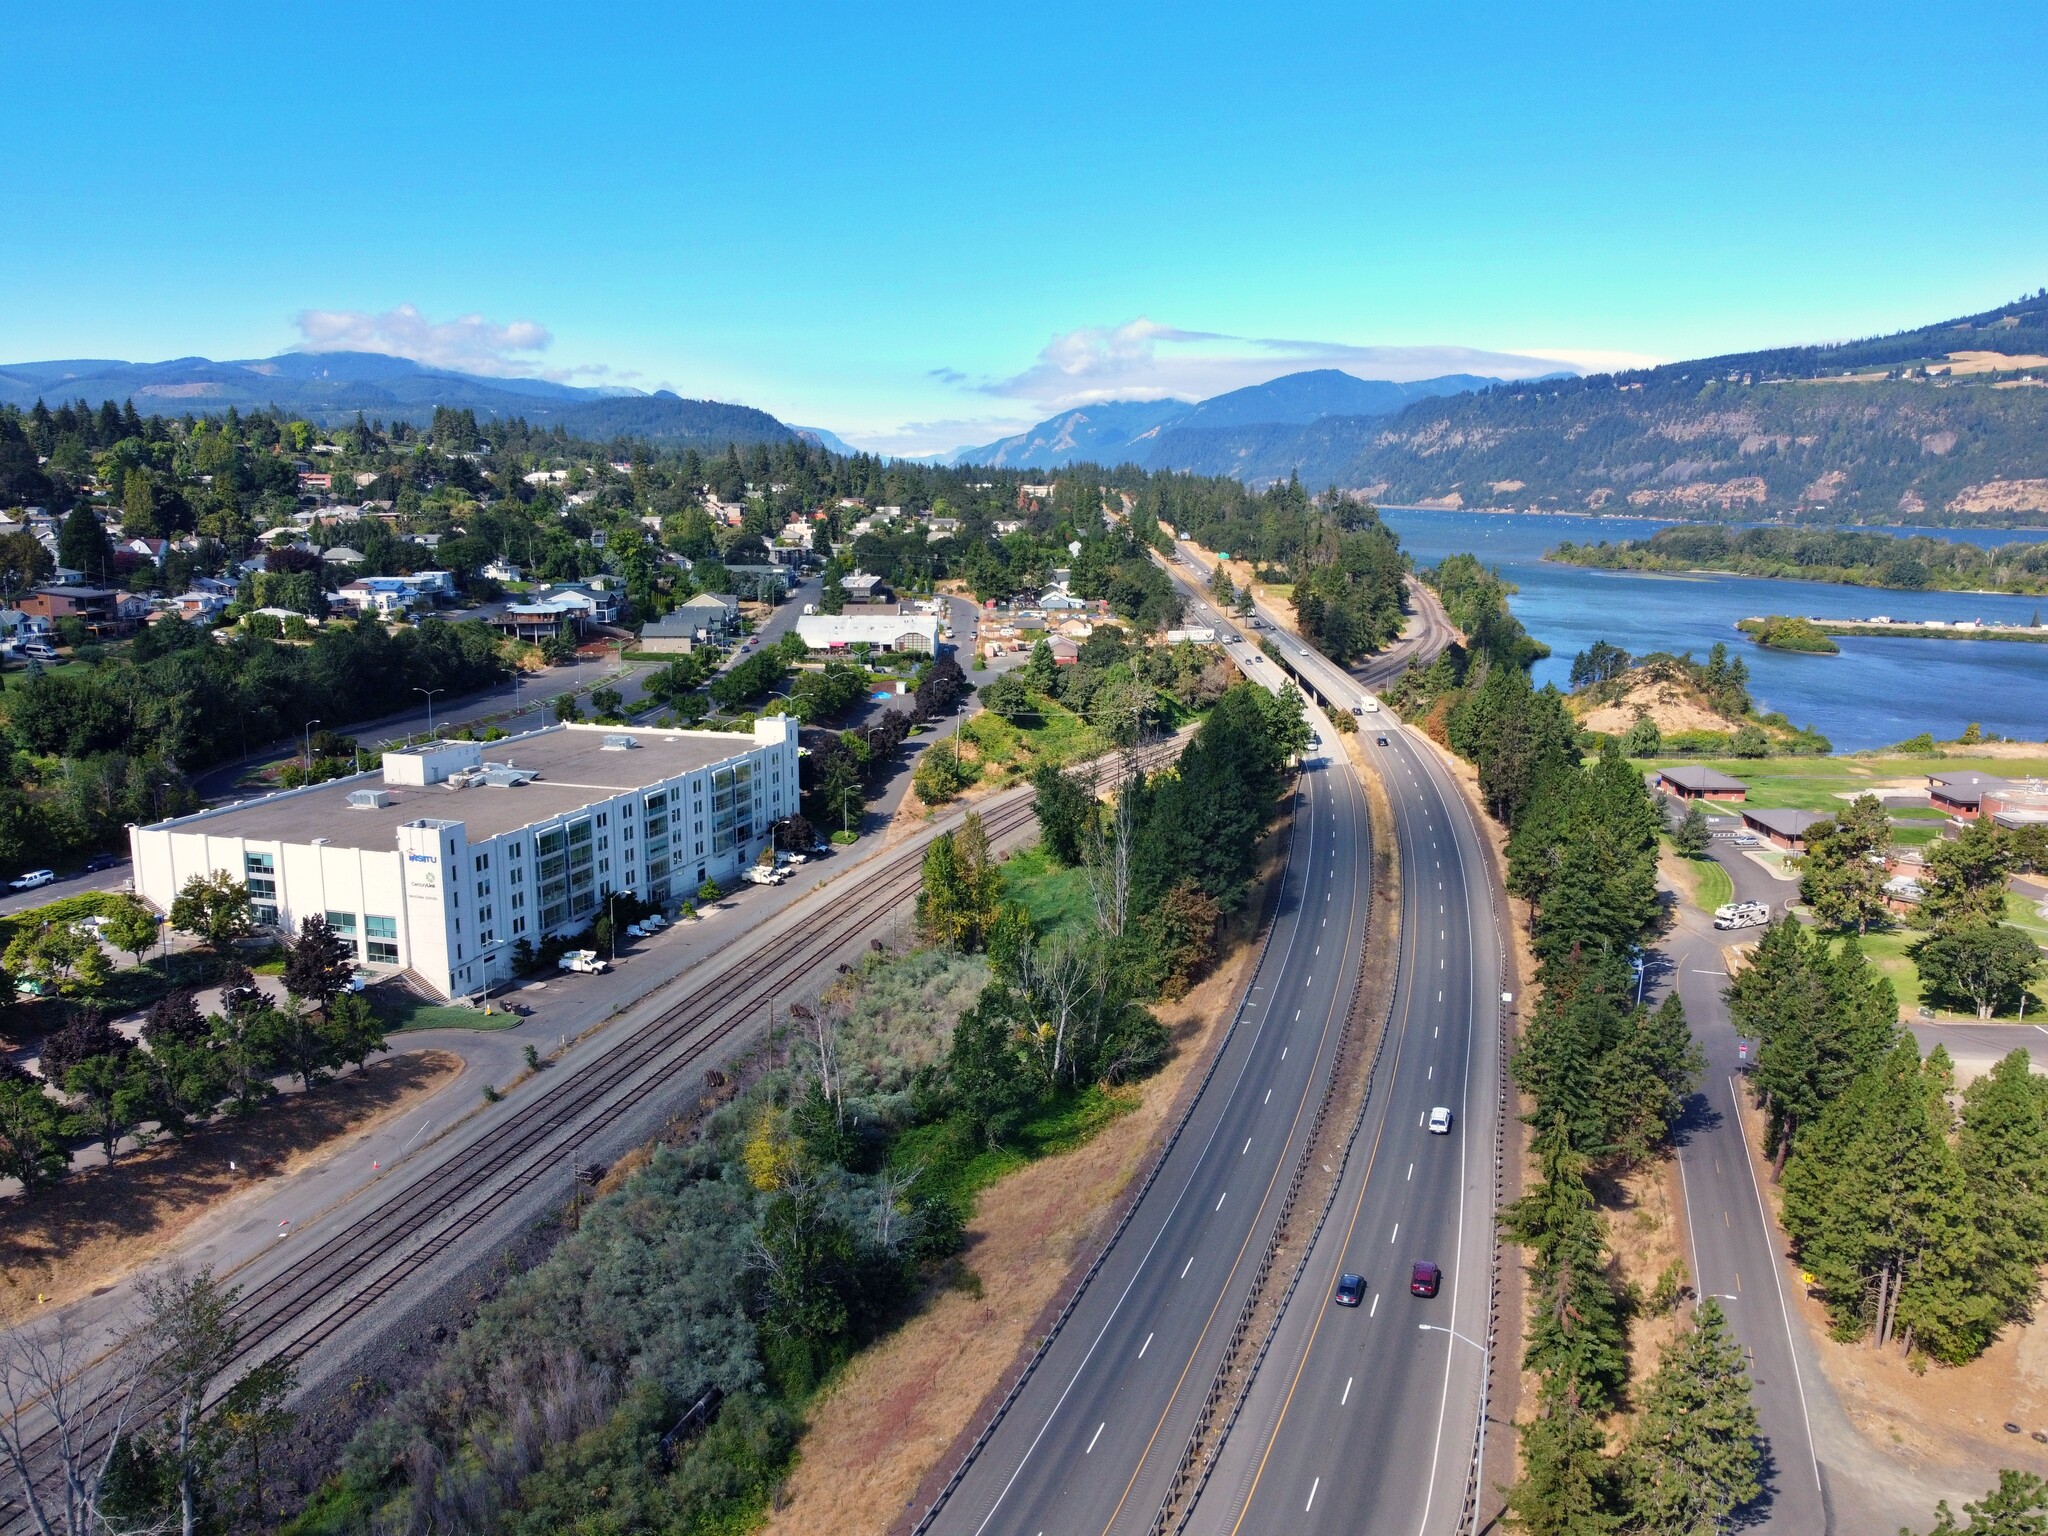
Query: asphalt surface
[(1093, 1439), (1368, 1418)]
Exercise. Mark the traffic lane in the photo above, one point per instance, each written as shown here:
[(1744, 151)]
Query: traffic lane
[(74, 884), (1735, 1253), (1391, 1456), (1155, 1441), (1041, 1455)]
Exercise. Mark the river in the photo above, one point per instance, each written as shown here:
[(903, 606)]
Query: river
[(1877, 691)]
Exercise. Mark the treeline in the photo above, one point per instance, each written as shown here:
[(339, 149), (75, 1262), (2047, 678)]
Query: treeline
[(1606, 1078), (1841, 555), (1604, 673), (1923, 1226), (94, 747)]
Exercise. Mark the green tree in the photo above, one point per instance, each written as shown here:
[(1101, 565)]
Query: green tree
[(215, 909), (1966, 877), (64, 958), (1691, 836), (2018, 1506), (567, 709), (2003, 1147), (1842, 874), (82, 544), (354, 1032), (130, 927), (1066, 809), (31, 1143), (1693, 1459), (318, 964), (1990, 965), (191, 1336), (1643, 739), (1878, 1207), (960, 891), (1567, 1482)]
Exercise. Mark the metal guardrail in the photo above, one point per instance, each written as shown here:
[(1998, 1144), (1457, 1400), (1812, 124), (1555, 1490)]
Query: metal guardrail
[(1130, 1211)]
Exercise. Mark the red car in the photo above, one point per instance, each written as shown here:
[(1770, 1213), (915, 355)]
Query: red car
[(1424, 1279)]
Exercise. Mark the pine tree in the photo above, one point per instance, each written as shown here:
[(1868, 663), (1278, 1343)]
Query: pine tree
[(1578, 1336), (1694, 1459), (1566, 1487), (1843, 872), (2003, 1148), (2018, 1506)]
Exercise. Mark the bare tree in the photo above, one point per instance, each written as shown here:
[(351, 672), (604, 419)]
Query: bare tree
[(1109, 858), (1058, 978), (62, 1416), (191, 1341), (821, 1033)]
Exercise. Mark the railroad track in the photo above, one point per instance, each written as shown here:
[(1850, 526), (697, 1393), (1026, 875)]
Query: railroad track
[(340, 1279)]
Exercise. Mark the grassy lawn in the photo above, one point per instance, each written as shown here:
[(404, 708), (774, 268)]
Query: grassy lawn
[(1887, 951), (1818, 783), (1056, 898), (1715, 886), (401, 1011)]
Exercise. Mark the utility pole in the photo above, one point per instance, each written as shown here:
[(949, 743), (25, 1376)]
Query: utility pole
[(309, 748), (430, 692)]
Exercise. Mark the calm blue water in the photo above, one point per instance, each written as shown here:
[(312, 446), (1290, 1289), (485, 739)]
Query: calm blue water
[(1876, 692)]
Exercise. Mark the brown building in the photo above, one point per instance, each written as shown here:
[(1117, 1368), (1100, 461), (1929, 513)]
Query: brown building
[(1690, 783), (1783, 829), (1962, 794), (98, 607)]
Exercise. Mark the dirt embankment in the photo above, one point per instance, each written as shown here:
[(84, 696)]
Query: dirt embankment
[(895, 1415), (1667, 701), (87, 1232)]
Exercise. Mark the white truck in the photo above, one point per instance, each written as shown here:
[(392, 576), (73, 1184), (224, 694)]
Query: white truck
[(761, 874), (1743, 914), (584, 961)]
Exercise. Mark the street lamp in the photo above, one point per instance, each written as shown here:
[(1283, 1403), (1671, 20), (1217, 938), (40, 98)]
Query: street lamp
[(309, 747), (1433, 1328), (430, 692)]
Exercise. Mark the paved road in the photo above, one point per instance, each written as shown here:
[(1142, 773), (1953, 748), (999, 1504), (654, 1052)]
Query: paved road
[(1369, 1419), (1093, 1439)]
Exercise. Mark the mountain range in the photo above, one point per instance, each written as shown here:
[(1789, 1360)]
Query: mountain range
[(1209, 435), (330, 388)]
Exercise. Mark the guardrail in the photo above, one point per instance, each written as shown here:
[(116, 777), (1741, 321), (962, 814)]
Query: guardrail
[(1130, 1211)]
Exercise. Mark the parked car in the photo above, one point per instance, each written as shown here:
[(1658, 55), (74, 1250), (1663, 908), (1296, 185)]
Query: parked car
[(100, 861), (1439, 1121), (32, 879), (1424, 1279), (1350, 1290)]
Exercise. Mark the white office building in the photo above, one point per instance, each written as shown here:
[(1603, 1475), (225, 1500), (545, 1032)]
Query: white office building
[(445, 859), (883, 631)]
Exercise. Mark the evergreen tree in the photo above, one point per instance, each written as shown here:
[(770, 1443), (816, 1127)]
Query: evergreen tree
[(1691, 836), (1065, 807), (1566, 1487), (2003, 1148), (83, 546), (1693, 1459), (1878, 1207), (2018, 1506), (1966, 877), (1987, 965), (1842, 874)]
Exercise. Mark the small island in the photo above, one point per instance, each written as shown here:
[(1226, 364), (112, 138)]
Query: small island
[(1784, 632), (1842, 556)]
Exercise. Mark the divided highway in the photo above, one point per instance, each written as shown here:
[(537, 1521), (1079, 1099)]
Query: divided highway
[(1091, 1441), (1371, 1418)]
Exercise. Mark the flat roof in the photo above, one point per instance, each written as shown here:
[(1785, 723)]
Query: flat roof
[(575, 769)]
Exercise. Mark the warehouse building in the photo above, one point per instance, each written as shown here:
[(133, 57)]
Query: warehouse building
[(442, 861), (882, 631)]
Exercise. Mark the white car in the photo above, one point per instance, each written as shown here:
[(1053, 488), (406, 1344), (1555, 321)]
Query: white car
[(32, 879), (1439, 1121)]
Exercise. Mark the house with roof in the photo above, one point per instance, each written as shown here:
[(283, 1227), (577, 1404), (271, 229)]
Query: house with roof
[(861, 587), (600, 600), (1694, 783), (503, 570), (880, 631), (539, 620), (96, 607), (341, 554), (196, 607)]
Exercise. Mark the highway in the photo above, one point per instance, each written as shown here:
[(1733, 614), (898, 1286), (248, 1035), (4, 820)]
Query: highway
[(1091, 1441), (1369, 1418)]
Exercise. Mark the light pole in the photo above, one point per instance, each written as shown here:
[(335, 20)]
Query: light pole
[(1433, 1328), (430, 692), (309, 747)]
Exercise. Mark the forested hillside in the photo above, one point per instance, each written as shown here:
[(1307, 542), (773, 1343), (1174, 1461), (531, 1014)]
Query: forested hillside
[(1817, 554), (1944, 424)]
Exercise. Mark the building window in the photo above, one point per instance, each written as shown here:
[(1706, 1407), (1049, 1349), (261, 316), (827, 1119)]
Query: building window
[(381, 934), (260, 872), (518, 900), (483, 915), (518, 875), (344, 926), (519, 925), (483, 862), (483, 887), (485, 938)]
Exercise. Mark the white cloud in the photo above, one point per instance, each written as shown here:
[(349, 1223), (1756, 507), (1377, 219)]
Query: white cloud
[(1143, 359), (913, 438), (468, 343)]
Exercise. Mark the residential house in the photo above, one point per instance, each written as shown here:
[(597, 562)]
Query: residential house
[(539, 620), (95, 606), (341, 554), (601, 601), (196, 607), (861, 587), (547, 477), (716, 614), (1064, 652), (503, 570), (315, 480), (151, 550)]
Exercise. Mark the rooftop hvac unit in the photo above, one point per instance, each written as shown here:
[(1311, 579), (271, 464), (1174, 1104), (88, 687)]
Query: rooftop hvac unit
[(368, 799), (619, 743)]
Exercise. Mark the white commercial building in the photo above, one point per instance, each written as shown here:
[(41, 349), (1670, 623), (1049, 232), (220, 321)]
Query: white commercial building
[(883, 631), (443, 861)]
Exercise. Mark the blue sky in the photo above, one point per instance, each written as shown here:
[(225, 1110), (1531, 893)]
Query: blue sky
[(922, 226)]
